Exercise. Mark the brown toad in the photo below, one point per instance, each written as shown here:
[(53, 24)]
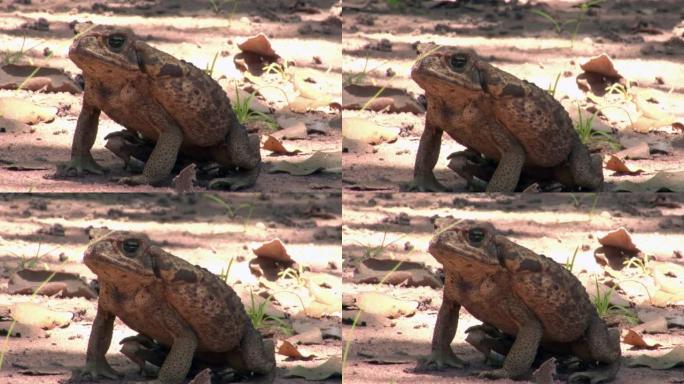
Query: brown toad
[(182, 307), (499, 116), (166, 100), (523, 294)]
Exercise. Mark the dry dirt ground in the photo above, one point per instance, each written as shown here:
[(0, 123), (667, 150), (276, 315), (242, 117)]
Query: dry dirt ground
[(49, 232), (644, 41), (399, 226), (308, 39)]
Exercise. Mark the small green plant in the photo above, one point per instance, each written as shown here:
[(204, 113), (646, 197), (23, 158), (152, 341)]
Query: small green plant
[(232, 211), (294, 274), (209, 69), (280, 69), (372, 251), (31, 262), (587, 133), (226, 272), (393, 3), (260, 319), (605, 308), (620, 89), (553, 86), (244, 113), (577, 201), (559, 25), (643, 264), (570, 262)]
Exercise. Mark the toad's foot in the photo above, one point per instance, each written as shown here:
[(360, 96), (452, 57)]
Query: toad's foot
[(134, 180), (78, 166), (494, 374), (594, 376), (242, 180), (95, 370), (425, 184), (438, 360)]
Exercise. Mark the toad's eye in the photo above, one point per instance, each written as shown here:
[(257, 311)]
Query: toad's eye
[(130, 246), (476, 236), (458, 61), (116, 41)]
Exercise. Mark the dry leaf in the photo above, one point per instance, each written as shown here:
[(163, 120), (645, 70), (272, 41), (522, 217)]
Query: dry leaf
[(25, 111), (384, 305), (366, 131), (26, 281), (662, 182), (288, 349), (260, 45), (669, 360), (40, 316), (184, 181), (274, 250), (602, 65), (639, 151), (49, 79), (636, 340), (203, 377), (619, 166), (331, 368), (618, 238), (657, 325), (274, 145), (328, 162), (544, 374)]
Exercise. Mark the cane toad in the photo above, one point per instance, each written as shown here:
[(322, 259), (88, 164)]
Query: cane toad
[(182, 307), (523, 294), (499, 116), (166, 100)]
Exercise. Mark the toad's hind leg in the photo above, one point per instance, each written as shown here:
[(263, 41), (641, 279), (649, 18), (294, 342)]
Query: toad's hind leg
[(600, 344), (508, 171), (258, 355), (242, 151), (586, 170)]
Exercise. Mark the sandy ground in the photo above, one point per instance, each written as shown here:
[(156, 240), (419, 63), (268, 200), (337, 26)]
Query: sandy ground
[(190, 30), (379, 49), (193, 227), (552, 224)]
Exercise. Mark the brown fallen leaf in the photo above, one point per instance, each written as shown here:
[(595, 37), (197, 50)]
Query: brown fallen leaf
[(364, 319), (26, 281), (293, 128), (326, 162), (601, 64), (634, 339), (657, 325), (544, 374), (639, 151), (411, 274), (203, 377), (184, 181), (32, 78), (303, 104), (618, 238), (375, 98), (274, 145), (618, 165), (668, 276), (288, 349), (274, 250), (259, 45)]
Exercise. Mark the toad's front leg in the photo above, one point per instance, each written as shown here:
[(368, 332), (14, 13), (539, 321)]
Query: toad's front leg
[(177, 363), (84, 137), (98, 344), (158, 167), (507, 173), (424, 179), (442, 356)]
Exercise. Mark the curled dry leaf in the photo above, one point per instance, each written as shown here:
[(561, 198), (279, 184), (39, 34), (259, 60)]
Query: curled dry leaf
[(634, 339), (27, 281), (328, 162), (662, 182), (274, 145), (331, 368), (367, 132), (32, 78), (639, 151), (25, 111), (384, 305), (365, 319), (657, 325), (259, 45), (618, 238), (669, 360), (601, 64), (618, 165), (274, 250), (288, 349), (544, 374), (40, 316), (184, 181)]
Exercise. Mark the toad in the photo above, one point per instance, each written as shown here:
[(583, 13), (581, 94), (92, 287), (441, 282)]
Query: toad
[(169, 101), (524, 295), (182, 307), (500, 117)]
